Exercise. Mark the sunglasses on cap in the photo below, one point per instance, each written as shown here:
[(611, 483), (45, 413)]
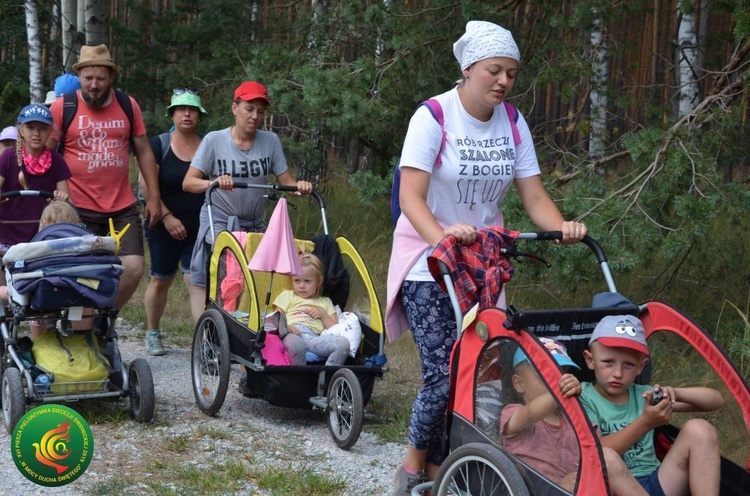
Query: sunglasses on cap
[(181, 91)]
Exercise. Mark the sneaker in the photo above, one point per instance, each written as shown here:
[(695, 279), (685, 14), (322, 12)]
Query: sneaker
[(404, 482), (154, 345)]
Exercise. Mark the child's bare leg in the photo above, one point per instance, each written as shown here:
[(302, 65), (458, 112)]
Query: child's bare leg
[(37, 330), (693, 463), (621, 481)]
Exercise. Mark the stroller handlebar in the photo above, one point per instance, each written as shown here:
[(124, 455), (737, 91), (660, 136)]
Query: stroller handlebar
[(26, 192), (593, 245), (270, 187)]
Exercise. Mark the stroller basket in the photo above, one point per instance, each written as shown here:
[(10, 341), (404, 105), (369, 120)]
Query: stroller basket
[(72, 389)]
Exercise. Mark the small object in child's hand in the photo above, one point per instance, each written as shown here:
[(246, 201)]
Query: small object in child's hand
[(657, 396)]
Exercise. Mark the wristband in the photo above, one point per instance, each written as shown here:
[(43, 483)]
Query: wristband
[(165, 215)]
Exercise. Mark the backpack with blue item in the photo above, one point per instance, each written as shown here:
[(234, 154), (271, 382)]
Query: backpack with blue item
[(437, 112)]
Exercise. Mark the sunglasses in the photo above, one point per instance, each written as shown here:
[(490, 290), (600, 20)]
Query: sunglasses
[(181, 91)]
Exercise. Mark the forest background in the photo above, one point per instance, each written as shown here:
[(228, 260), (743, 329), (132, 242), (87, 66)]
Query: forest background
[(638, 110)]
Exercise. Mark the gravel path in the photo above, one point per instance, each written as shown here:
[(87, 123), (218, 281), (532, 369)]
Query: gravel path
[(129, 457)]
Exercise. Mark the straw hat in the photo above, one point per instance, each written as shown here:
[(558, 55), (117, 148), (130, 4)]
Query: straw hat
[(94, 55)]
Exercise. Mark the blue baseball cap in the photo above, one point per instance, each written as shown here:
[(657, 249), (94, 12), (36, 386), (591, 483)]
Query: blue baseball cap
[(35, 113), (557, 350)]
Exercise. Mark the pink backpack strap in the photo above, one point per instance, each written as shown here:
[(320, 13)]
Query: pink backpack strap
[(513, 118), (437, 112)]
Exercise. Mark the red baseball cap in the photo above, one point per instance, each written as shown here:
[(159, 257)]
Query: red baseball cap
[(251, 90)]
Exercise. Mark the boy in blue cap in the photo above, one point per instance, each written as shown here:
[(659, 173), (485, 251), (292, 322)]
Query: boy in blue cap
[(627, 414), (539, 433)]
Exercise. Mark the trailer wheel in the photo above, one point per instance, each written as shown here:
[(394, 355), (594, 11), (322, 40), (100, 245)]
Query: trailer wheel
[(477, 468), (14, 401), (141, 388), (210, 362), (345, 408)]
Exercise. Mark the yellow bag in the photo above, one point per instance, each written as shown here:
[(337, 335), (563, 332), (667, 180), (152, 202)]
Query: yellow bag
[(71, 359)]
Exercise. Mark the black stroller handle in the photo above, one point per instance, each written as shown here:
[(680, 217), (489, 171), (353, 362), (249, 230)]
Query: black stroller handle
[(273, 187), (27, 192), (593, 245), (213, 185)]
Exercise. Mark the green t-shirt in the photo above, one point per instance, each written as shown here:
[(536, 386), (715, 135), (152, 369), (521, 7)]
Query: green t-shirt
[(641, 457)]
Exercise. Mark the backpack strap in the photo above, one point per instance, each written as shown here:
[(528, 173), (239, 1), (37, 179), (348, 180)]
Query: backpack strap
[(70, 107), (513, 118), (165, 139), (437, 112), (127, 107)]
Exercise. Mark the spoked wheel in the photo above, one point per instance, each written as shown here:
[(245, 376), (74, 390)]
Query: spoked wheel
[(478, 469), (141, 388), (345, 408), (210, 362), (14, 401)]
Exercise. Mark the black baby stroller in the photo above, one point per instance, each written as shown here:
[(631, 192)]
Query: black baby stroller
[(64, 274)]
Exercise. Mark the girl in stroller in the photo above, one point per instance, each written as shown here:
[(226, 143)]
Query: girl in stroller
[(308, 313)]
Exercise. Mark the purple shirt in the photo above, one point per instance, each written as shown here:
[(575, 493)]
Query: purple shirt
[(19, 217)]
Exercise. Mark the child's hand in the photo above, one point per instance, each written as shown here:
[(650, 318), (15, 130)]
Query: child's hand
[(293, 330), (660, 413), (569, 385), (60, 195), (314, 312)]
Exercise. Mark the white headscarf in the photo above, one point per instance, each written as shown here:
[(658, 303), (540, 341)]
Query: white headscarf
[(483, 40)]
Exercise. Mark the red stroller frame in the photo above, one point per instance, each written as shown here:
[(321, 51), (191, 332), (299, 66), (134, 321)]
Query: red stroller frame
[(477, 463)]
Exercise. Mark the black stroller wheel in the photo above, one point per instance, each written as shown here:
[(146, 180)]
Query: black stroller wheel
[(345, 408), (210, 362), (14, 401), (141, 386), (477, 469)]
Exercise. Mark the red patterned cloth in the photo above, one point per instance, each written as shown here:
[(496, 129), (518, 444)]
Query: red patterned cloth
[(479, 270)]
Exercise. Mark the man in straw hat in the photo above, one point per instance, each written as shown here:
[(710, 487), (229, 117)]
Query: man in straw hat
[(96, 146)]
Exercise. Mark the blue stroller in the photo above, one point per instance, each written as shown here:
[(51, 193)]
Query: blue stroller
[(63, 275)]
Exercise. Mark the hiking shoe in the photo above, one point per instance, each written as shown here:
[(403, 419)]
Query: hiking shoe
[(404, 482), (154, 345)]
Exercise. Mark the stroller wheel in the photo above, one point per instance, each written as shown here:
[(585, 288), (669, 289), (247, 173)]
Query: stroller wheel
[(345, 408), (210, 362), (14, 401), (141, 385), (477, 468)]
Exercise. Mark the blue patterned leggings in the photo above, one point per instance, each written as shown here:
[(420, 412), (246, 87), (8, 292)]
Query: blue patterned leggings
[(433, 325)]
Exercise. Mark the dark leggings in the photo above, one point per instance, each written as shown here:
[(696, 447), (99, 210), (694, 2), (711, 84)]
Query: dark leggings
[(433, 325)]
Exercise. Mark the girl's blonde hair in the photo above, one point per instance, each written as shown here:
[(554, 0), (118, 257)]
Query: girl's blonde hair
[(19, 157), (57, 212), (310, 260)]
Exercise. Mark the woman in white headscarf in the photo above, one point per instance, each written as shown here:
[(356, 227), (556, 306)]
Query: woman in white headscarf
[(453, 181)]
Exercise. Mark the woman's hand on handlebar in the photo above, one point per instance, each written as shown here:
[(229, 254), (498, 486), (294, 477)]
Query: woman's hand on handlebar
[(225, 182), (572, 232), (304, 188), (465, 233)]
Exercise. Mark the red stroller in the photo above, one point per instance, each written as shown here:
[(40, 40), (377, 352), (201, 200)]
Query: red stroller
[(478, 462)]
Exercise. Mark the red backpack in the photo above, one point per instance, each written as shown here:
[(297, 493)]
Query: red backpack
[(437, 112)]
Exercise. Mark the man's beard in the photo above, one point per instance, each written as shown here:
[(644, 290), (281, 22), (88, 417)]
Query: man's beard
[(95, 102)]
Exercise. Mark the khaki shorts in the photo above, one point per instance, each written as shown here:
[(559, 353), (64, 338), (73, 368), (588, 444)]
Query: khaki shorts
[(98, 222)]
